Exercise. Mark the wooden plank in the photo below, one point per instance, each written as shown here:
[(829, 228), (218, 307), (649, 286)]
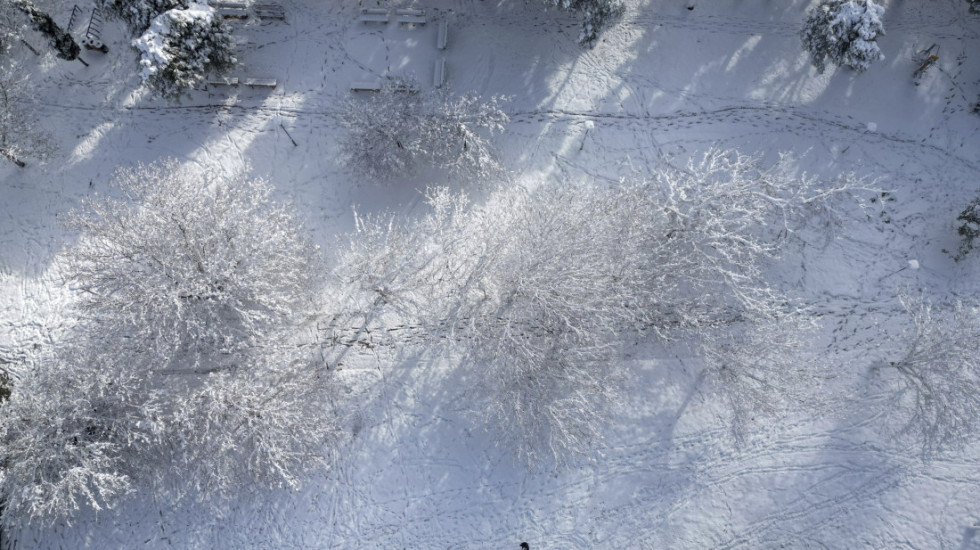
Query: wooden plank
[(439, 74), (230, 81), (233, 13), (443, 34), (374, 11), (409, 11), (269, 11), (411, 19), (366, 86), (261, 82), (229, 4), (373, 18)]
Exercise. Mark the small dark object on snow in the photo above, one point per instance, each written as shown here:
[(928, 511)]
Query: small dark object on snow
[(524, 546)]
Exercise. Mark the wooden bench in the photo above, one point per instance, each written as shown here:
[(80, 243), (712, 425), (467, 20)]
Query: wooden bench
[(218, 4), (366, 86), (269, 11), (410, 16), (411, 19), (373, 18), (224, 81), (261, 82), (443, 35), (233, 13), (439, 75)]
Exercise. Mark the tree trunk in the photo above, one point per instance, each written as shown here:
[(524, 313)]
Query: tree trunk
[(62, 42), (10, 156)]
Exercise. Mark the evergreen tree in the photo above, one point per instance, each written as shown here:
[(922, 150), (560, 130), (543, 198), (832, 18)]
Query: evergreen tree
[(844, 31), (181, 47), (138, 14), (596, 13)]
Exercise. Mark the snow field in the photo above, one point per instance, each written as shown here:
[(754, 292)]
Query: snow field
[(663, 84)]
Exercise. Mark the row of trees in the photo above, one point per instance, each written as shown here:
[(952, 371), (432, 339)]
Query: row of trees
[(191, 291), (535, 291)]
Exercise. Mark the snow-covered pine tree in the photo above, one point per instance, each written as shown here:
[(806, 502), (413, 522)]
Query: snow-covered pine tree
[(595, 15), (844, 31), (181, 47), (138, 14)]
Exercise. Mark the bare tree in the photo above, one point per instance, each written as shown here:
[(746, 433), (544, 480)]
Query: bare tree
[(400, 128), (937, 376), (268, 422), (761, 369), (20, 134)]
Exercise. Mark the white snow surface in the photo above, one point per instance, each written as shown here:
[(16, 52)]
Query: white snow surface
[(661, 84)]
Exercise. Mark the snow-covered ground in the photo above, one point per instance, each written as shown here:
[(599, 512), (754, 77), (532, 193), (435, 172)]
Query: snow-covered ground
[(664, 83)]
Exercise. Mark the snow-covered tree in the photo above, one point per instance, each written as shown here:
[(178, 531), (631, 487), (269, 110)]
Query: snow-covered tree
[(139, 14), (268, 421), (181, 47), (760, 369), (399, 129), (846, 31), (12, 25), (185, 353), (530, 289), (192, 266), (968, 228), (535, 290), (595, 15), (68, 433), (937, 375), (20, 134)]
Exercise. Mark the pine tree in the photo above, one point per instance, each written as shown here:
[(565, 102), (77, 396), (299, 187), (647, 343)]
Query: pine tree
[(844, 31), (138, 14), (596, 13), (181, 47)]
